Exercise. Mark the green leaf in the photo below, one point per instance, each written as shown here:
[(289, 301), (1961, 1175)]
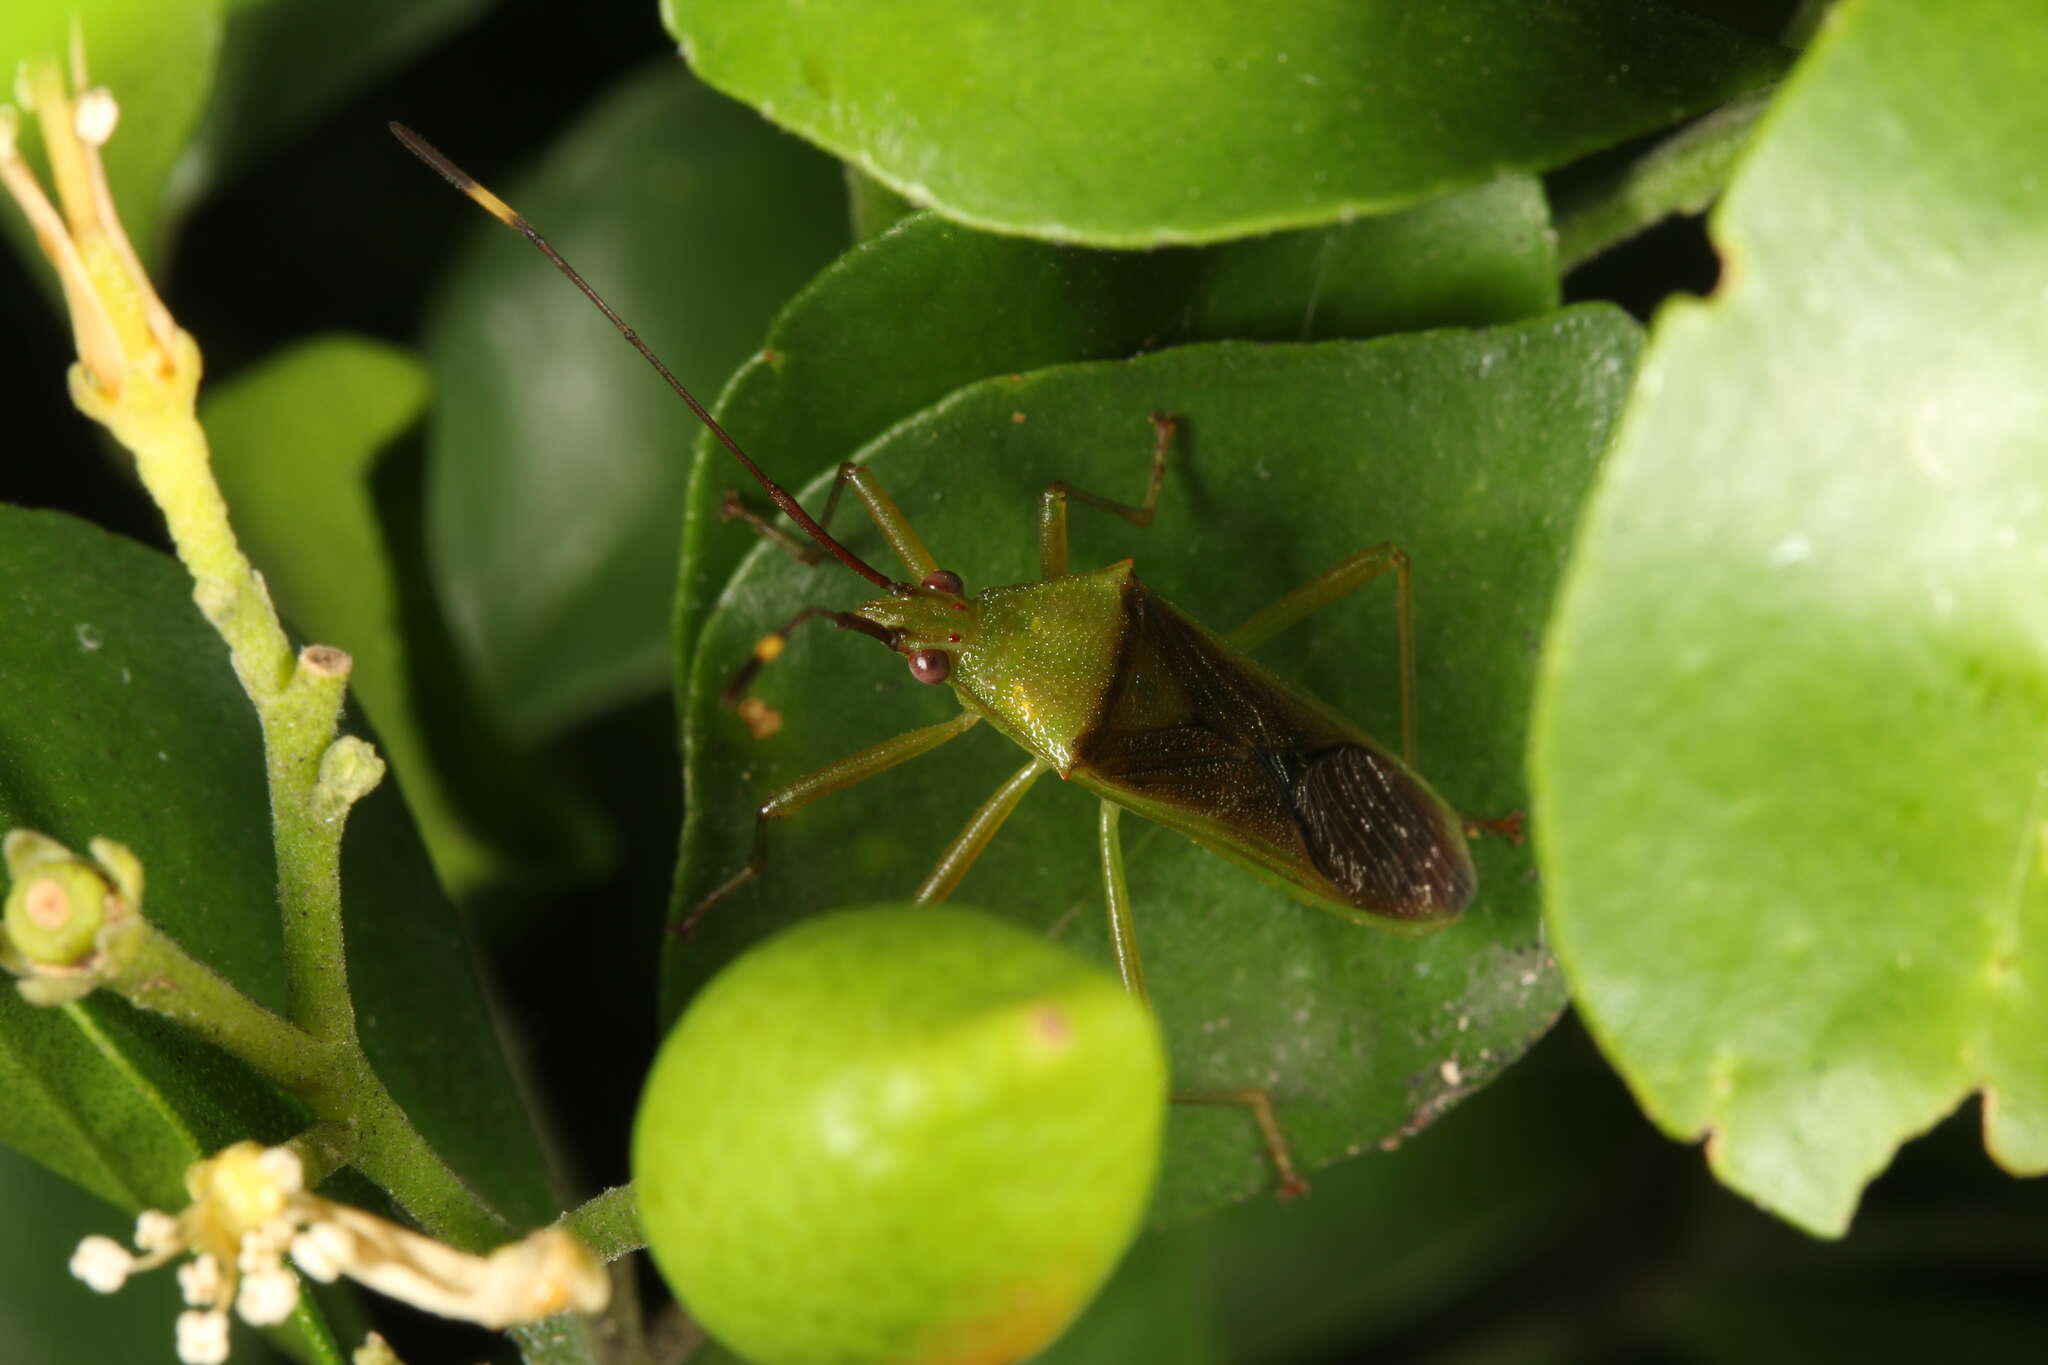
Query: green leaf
[(558, 461), (822, 386), (1144, 124), (1471, 449), (131, 725), (285, 63), (1790, 762), (873, 206), (112, 1099), (1683, 174), (295, 444), (157, 56), (1382, 1244)]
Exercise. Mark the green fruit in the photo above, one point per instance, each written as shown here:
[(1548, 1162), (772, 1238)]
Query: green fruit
[(899, 1135)]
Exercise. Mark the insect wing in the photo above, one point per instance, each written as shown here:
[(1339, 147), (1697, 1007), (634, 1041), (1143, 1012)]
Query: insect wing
[(1204, 740), (1380, 835)]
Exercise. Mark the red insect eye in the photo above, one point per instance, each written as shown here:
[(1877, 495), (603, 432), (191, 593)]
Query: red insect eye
[(930, 665), (945, 580)]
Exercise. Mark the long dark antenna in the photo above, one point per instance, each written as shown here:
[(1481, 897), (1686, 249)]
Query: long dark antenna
[(505, 214)]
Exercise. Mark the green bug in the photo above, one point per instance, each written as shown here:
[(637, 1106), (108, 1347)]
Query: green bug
[(1101, 680)]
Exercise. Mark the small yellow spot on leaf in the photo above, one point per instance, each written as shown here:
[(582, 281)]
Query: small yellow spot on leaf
[(761, 719)]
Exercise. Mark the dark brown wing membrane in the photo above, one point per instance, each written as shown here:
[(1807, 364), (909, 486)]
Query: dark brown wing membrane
[(1218, 748), (1377, 835)]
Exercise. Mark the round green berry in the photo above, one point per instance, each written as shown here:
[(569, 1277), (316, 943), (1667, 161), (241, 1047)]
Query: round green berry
[(899, 1135)]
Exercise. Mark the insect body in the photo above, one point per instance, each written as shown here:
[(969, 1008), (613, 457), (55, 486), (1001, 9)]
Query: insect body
[(1105, 683), (1102, 681), (1099, 679)]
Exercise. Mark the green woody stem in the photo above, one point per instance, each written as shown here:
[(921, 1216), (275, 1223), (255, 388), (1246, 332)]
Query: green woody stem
[(158, 975), (138, 375), (608, 1224), (333, 1078)]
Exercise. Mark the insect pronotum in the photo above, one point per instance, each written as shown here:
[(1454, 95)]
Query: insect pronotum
[(1140, 705)]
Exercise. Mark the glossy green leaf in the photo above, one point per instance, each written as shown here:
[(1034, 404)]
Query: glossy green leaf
[(1471, 449), (1143, 124), (558, 461), (284, 63), (129, 724), (1789, 770), (296, 442), (907, 318), (157, 56)]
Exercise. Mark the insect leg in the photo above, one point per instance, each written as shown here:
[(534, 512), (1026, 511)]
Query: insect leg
[(1124, 938), (888, 518), (881, 508), (734, 508), (835, 776), (1346, 575), (1052, 506), (1123, 933), (1291, 1183), (981, 827)]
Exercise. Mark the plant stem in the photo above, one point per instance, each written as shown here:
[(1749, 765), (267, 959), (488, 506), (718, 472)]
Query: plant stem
[(172, 459), (608, 1224), (323, 1149), (298, 704), (332, 1077), (138, 375), (1683, 174), (392, 1153), (162, 977), (298, 728)]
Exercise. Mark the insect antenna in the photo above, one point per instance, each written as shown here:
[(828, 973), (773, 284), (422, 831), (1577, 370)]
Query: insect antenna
[(507, 215)]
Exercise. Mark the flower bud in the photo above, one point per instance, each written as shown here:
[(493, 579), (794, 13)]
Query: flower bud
[(61, 928), (55, 913)]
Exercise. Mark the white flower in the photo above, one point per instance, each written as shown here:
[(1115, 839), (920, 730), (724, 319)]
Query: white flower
[(102, 1263), (250, 1207), (199, 1280), (321, 1251), (156, 1231), (203, 1337), (267, 1297)]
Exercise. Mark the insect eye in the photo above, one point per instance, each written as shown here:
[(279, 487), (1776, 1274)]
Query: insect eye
[(945, 580), (930, 665)]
